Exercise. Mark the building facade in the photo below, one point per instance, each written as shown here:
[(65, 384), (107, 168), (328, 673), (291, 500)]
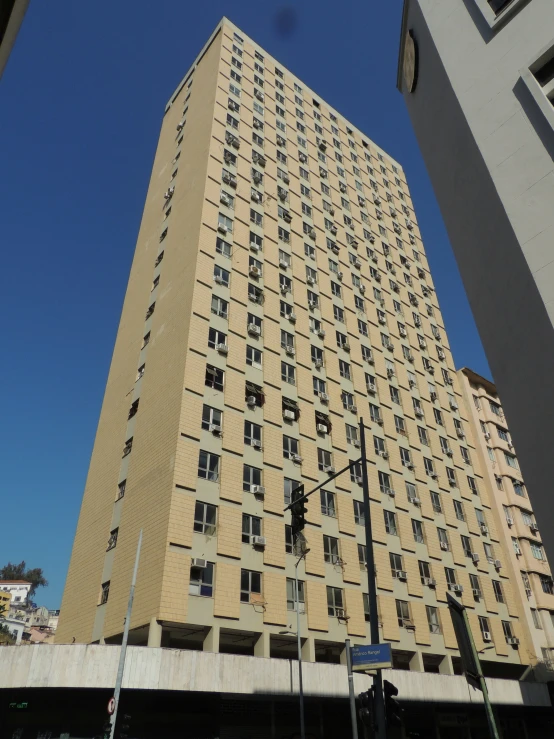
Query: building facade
[(477, 79), (18, 590), (530, 568), (280, 292)]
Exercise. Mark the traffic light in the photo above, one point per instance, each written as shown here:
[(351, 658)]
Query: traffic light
[(124, 726), (365, 711), (393, 710), (298, 510)]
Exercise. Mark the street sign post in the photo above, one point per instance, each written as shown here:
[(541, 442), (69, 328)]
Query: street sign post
[(371, 657)]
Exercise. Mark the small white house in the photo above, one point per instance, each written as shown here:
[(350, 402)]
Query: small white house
[(18, 589)]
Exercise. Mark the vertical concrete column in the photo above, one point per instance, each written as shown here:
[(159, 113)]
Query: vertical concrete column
[(416, 663), (211, 641), (155, 633), (445, 667), (308, 649), (262, 645)]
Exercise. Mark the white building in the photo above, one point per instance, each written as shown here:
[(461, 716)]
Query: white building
[(18, 589)]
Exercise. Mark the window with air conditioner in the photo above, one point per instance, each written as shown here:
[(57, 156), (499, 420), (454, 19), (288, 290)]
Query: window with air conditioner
[(253, 357), (205, 518), (335, 602), (331, 549), (211, 417), (208, 466)]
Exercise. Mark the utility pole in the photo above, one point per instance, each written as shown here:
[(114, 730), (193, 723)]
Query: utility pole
[(380, 719), (125, 639), (299, 646)]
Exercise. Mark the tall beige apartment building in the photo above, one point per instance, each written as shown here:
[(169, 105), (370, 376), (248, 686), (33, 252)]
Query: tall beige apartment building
[(527, 563), (279, 293)]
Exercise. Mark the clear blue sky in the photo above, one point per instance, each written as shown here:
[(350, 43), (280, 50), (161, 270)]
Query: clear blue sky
[(81, 103)]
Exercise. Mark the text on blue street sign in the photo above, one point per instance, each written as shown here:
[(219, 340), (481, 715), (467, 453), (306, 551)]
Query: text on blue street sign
[(371, 657)]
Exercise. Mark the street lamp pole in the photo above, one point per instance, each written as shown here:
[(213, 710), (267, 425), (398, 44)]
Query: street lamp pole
[(299, 647)]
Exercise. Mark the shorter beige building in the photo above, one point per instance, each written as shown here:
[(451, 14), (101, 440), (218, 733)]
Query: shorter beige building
[(5, 600), (512, 506)]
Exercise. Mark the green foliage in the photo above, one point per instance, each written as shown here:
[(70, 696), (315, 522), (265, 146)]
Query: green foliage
[(20, 572), (6, 636)]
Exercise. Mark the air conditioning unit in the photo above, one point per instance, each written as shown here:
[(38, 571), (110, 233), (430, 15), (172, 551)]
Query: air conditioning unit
[(346, 346), (487, 435), (253, 329), (371, 388), (342, 187), (318, 363), (475, 557), (335, 249), (296, 458), (357, 263), (497, 564), (362, 289), (284, 290), (418, 412), (449, 453), (323, 397), (412, 383), (289, 415), (257, 123), (410, 466), (287, 217), (254, 271), (310, 280), (257, 489), (433, 475), (286, 180), (227, 179), (354, 243), (333, 229), (533, 526), (219, 280), (321, 428), (258, 541), (374, 258), (283, 263), (352, 408), (256, 444), (415, 501), (430, 582), (329, 470), (370, 359), (312, 233), (302, 157), (255, 197), (509, 521), (379, 421), (322, 145), (382, 321), (513, 640), (528, 592), (222, 228), (484, 528), (357, 443), (254, 246), (292, 317), (444, 546), (357, 479), (251, 401), (257, 177), (198, 563), (215, 429), (222, 348), (477, 593), (312, 304), (401, 575), (385, 455), (486, 636), (224, 199), (457, 588)]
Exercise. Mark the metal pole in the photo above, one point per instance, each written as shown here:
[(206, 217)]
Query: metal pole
[(351, 691), (125, 639), (299, 646), (488, 707), (379, 703)]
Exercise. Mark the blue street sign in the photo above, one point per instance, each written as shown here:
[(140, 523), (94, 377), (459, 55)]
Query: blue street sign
[(371, 657)]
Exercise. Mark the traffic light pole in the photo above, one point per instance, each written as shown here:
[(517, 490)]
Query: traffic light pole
[(379, 703), (299, 647), (121, 666), (351, 691)]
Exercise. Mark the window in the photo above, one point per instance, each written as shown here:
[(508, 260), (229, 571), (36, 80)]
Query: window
[(450, 576), (318, 385), (252, 432), (394, 394), (335, 603), (288, 486), (221, 276), (104, 592), (223, 248), (466, 545), (511, 461), (338, 313), (331, 550), (472, 485), (536, 551), (344, 369), (253, 357), (216, 338), (290, 447), (374, 413), (423, 436), (204, 518), (251, 526), (536, 618), (429, 468), (433, 619), (424, 570), (465, 455), (328, 503), (352, 434), (365, 597), (291, 595), (250, 584), (336, 290), (403, 613), (436, 502), (405, 457), (438, 416), (459, 510), (451, 474), (518, 488), (417, 528), (112, 541), (390, 522), (395, 563), (288, 373), (515, 545), (309, 251), (400, 425), (202, 580), (210, 417), (289, 543), (359, 515), (484, 627), (443, 539), (208, 466), (546, 584), (498, 594)]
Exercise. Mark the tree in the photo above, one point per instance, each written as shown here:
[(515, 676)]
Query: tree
[(6, 636), (20, 572)]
